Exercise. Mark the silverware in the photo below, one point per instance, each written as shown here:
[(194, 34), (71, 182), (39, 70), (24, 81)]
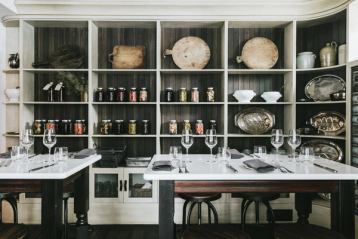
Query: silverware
[(180, 171), (289, 171), (326, 168), (7, 164), (38, 168), (186, 169), (232, 168)]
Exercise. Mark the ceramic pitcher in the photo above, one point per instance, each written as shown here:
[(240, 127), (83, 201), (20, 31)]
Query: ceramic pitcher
[(328, 54)]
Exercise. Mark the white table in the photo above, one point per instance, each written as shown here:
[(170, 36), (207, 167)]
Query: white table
[(51, 182), (206, 177)]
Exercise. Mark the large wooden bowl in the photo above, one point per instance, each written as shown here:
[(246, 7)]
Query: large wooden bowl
[(190, 53), (259, 53)]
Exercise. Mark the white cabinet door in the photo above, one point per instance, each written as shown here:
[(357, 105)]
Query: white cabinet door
[(136, 189), (106, 185)]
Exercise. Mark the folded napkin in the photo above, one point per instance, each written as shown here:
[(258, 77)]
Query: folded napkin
[(235, 154), (162, 166), (84, 153), (6, 155), (259, 165)]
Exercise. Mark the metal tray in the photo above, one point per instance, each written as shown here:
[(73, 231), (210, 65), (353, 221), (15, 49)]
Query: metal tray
[(321, 87), (255, 120), (138, 162), (325, 149), (329, 123)]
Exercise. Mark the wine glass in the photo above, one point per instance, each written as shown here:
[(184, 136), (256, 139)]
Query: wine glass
[(49, 139), (277, 139), (224, 154), (27, 140), (294, 140), (187, 139), (175, 154), (211, 140)]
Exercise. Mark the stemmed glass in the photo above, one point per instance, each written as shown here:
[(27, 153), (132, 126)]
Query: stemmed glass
[(176, 155), (277, 139), (187, 139), (211, 140), (294, 140), (27, 140), (49, 139)]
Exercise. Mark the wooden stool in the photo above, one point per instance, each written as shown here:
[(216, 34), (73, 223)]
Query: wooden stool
[(13, 231), (214, 232), (306, 231), (197, 198)]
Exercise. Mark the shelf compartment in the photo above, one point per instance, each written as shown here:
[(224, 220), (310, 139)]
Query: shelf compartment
[(12, 118), (202, 81), (258, 71), (211, 32), (191, 71), (123, 103), (279, 32), (124, 136), (260, 103), (277, 110), (259, 84), (199, 146), (126, 113), (136, 147), (249, 143), (124, 33), (191, 113), (192, 103), (74, 144), (179, 135), (127, 80), (322, 102), (11, 71), (65, 136), (324, 137), (44, 37), (54, 103), (321, 69)]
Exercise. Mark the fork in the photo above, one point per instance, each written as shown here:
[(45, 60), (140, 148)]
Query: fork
[(186, 169), (180, 171)]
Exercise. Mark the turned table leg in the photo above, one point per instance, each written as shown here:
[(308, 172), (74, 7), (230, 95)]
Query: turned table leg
[(303, 206), (81, 205)]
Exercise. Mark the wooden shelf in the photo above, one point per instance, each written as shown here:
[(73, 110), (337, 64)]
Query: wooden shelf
[(54, 70), (324, 137), (11, 71), (258, 71), (320, 69), (249, 135), (194, 135), (54, 103), (123, 70), (259, 103), (11, 103), (321, 102), (192, 103), (123, 103), (124, 136), (11, 135), (195, 71), (65, 136)]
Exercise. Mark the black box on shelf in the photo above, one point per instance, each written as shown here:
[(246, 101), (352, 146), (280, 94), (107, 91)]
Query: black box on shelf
[(111, 157)]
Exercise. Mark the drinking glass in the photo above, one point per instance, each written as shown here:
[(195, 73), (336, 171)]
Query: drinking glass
[(60, 154), (187, 139), (224, 154), (27, 140), (49, 139), (294, 140), (277, 140), (211, 139), (17, 152), (176, 155), (306, 154), (260, 151)]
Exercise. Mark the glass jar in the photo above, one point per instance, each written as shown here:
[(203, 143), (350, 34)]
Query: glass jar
[(145, 127), (143, 94), (106, 127), (121, 94), (210, 94), (84, 125), (183, 97), (57, 126), (132, 127), (199, 127), (78, 127), (173, 127), (186, 125), (169, 95), (65, 127), (38, 127), (119, 126), (70, 126), (195, 94), (111, 94), (50, 124), (212, 124), (99, 95), (133, 95)]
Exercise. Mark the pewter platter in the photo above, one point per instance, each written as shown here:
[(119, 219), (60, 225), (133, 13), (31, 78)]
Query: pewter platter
[(325, 149), (320, 87), (329, 123), (255, 120)]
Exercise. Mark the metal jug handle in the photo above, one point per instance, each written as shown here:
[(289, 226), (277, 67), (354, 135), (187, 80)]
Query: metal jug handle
[(333, 43), (110, 57), (17, 56)]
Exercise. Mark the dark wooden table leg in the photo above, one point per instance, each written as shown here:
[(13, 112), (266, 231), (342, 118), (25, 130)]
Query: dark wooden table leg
[(303, 206), (166, 210), (81, 200), (342, 209), (51, 209)]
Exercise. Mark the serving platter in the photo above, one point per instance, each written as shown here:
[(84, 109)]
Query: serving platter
[(325, 149), (329, 123), (321, 87), (255, 120)]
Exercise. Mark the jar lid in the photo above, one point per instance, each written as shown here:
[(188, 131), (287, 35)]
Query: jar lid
[(145, 121), (37, 120), (195, 88), (183, 88), (57, 120), (172, 121), (43, 120), (169, 88), (210, 88), (64, 121), (132, 121), (186, 121), (199, 121), (143, 88), (69, 120), (50, 121), (111, 88), (133, 88), (78, 121), (213, 121), (119, 121), (121, 88), (99, 88)]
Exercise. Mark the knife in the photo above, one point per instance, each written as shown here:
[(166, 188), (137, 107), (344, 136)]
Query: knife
[(46, 166), (232, 168), (326, 168)]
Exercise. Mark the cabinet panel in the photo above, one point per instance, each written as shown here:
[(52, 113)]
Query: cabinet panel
[(106, 185)]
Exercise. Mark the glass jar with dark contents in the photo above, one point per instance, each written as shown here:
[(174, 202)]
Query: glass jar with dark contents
[(84, 125), (106, 127), (121, 94), (169, 95), (99, 95), (119, 126), (65, 127), (111, 94), (133, 95), (57, 126), (145, 127), (212, 124)]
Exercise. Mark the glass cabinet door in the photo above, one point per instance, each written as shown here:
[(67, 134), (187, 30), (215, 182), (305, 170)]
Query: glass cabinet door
[(354, 153), (106, 185), (136, 189)]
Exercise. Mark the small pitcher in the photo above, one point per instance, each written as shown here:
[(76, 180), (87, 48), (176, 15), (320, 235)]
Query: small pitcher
[(14, 61), (328, 54)]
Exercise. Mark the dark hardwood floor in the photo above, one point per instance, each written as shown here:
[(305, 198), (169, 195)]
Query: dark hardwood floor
[(146, 232)]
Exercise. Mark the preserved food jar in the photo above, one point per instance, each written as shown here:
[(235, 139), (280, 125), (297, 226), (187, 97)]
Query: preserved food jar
[(145, 127), (169, 95), (99, 95), (65, 127), (186, 125), (212, 124), (210, 94), (132, 127), (111, 94), (57, 126), (119, 126), (121, 94), (133, 95), (38, 127), (199, 127), (195, 94), (173, 127), (143, 94), (50, 125), (106, 126), (183, 97), (78, 127)]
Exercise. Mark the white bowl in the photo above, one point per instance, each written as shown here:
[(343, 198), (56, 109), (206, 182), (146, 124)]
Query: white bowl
[(244, 96), (13, 94), (271, 96)]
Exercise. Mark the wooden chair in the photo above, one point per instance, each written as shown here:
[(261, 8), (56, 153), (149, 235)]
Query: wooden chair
[(214, 232), (13, 231), (306, 231)]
